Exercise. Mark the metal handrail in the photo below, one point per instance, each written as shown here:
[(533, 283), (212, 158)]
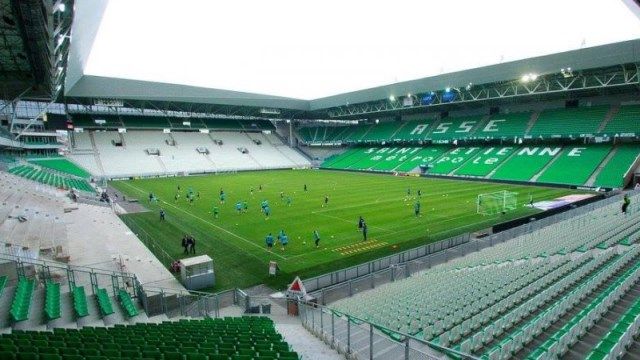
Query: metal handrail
[(385, 330)]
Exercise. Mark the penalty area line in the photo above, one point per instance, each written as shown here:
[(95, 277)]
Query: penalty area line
[(212, 224)]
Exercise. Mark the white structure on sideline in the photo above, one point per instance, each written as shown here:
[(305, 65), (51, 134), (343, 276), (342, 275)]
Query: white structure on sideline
[(101, 154)]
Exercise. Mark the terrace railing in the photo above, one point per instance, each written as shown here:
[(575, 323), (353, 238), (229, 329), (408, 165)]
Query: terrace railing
[(360, 339)]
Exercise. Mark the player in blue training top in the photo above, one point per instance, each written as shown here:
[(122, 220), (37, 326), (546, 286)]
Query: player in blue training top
[(284, 240), (269, 241)]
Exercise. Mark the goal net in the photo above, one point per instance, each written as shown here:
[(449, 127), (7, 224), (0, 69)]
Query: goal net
[(496, 202)]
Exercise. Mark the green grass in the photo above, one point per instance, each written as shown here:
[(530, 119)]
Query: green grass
[(236, 241)]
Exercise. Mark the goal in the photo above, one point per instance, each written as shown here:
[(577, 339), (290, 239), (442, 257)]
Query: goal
[(496, 202)]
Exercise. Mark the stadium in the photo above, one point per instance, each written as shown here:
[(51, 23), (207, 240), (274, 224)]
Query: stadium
[(298, 180)]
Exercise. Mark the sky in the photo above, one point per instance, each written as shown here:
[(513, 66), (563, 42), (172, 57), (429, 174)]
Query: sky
[(309, 49)]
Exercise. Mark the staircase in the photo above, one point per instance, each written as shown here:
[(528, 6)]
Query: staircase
[(162, 165), (398, 129), (607, 118), (584, 346), (604, 163), (532, 121), (96, 153), (536, 176), (490, 174)]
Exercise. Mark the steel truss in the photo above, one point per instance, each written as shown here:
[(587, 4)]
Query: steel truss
[(620, 76)]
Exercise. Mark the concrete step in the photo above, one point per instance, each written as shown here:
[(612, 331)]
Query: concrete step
[(118, 316), (5, 304)]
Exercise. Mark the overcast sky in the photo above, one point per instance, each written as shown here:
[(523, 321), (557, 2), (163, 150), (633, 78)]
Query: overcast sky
[(312, 49)]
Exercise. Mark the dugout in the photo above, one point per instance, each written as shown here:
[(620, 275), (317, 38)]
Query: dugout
[(197, 272)]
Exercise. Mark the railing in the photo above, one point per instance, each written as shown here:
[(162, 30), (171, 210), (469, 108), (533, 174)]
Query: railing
[(360, 339), (69, 275), (384, 263), (156, 301)]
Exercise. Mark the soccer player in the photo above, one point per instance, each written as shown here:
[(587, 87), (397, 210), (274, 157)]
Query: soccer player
[(198, 195), (288, 200), (162, 215), (260, 187), (150, 197), (625, 203), (364, 231), (263, 205), (176, 197), (267, 212), (326, 201), (178, 188), (419, 193), (305, 187), (416, 208), (408, 192), (216, 212), (222, 196), (239, 207), (316, 238), (284, 240), (245, 206), (281, 195), (251, 191), (269, 241), (360, 223), (191, 197)]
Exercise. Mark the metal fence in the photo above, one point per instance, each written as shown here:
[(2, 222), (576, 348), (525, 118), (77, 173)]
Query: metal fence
[(359, 339), (67, 275), (386, 262), (343, 283), (174, 303)]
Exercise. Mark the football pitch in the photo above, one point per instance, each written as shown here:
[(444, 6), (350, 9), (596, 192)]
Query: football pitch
[(236, 241)]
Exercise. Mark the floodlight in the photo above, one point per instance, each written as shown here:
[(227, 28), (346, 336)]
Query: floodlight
[(533, 77), (468, 87), (448, 89), (525, 78), (60, 40), (62, 7), (377, 121), (59, 87), (392, 98)]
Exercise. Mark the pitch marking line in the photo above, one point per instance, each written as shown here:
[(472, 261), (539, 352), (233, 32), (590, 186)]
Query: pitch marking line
[(212, 224)]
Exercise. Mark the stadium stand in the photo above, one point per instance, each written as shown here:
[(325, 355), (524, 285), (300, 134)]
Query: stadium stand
[(569, 165), (574, 165), (114, 122), (535, 296), (487, 160), (525, 163), (613, 173), (624, 122), (51, 178), (460, 128), (102, 152), (62, 165), (576, 122), (221, 338), (504, 126)]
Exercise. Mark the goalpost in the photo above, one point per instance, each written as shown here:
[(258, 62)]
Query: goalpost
[(496, 202)]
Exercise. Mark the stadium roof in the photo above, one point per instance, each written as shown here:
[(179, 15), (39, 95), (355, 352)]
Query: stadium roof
[(111, 41)]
